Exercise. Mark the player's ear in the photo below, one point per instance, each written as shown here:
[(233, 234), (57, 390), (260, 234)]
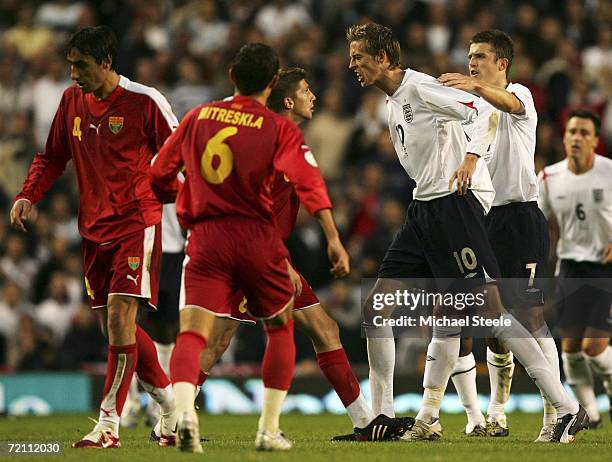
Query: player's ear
[(107, 62), (231, 75), (288, 103), (502, 64)]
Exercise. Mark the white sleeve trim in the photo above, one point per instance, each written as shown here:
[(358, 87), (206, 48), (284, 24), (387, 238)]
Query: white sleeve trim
[(162, 103)]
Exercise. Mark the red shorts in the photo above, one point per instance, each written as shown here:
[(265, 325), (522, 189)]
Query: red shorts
[(229, 254), (240, 310), (128, 265)]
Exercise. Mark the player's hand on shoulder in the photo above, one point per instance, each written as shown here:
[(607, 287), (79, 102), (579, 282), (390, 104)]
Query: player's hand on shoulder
[(463, 175), (21, 211), (607, 254), (460, 81), (339, 258)]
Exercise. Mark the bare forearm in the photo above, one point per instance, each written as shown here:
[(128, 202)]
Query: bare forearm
[(326, 220)]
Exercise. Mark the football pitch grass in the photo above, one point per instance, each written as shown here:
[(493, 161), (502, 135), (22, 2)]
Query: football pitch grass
[(231, 439)]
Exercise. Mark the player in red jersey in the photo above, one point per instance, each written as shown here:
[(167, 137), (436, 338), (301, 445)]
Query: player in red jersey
[(292, 98), (111, 127), (231, 151)]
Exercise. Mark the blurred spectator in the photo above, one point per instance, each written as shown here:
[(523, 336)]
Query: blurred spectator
[(207, 31), (328, 133), (279, 17), (44, 95), (190, 90), (16, 265), (16, 149), (32, 348), (62, 15), (30, 40), (342, 301), (12, 306), (84, 341), (392, 215), (63, 219), (11, 96), (57, 310)]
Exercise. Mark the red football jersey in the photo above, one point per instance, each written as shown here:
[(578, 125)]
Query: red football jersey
[(286, 205), (231, 151), (111, 143)]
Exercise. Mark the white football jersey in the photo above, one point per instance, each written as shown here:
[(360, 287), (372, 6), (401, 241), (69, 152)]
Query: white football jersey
[(582, 205), (510, 155), (425, 124), (172, 235)]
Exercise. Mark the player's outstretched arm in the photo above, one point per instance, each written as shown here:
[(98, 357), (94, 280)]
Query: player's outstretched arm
[(496, 96), (336, 252)]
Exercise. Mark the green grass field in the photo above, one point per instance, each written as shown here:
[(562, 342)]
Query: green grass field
[(232, 440)]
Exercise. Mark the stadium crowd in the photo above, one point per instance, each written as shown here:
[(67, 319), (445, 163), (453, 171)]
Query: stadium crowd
[(563, 55)]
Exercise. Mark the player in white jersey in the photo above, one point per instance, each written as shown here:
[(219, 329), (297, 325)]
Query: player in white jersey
[(425, 124), (514, 215), (577, 194)]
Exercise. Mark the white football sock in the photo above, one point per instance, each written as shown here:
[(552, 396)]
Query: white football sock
[(270, 413), (359, 412), (528, 352), (501, 370), (442, 354), (549, 348), (162, 396), (183, 397), (579, 377), (602, 366), (163, 355), (381, 356), (464, 379)]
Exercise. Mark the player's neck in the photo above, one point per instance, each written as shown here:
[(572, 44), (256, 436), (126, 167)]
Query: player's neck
[(580, 166), (391, 80), (109, 85)]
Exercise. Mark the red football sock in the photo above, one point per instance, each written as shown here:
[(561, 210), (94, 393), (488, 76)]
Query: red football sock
[(202, 378), (185, 360), (279, 359), (148, 368), (119, 371), (334, 364)]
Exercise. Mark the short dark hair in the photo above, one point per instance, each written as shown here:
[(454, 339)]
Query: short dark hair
[(100, 42), (586, 114), (376, 37), (286, 86), (502, 44), (253, 67)]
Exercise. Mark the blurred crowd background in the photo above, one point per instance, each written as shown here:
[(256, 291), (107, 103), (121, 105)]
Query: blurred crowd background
[(563, 54)]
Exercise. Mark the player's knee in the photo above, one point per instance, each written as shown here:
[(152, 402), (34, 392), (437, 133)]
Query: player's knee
[(497, 346), (571, 345), (465, 347), (595, 348)]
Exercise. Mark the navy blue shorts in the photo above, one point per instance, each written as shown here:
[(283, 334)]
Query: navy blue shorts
[(518, 234), (443, 238), (583, 297)]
